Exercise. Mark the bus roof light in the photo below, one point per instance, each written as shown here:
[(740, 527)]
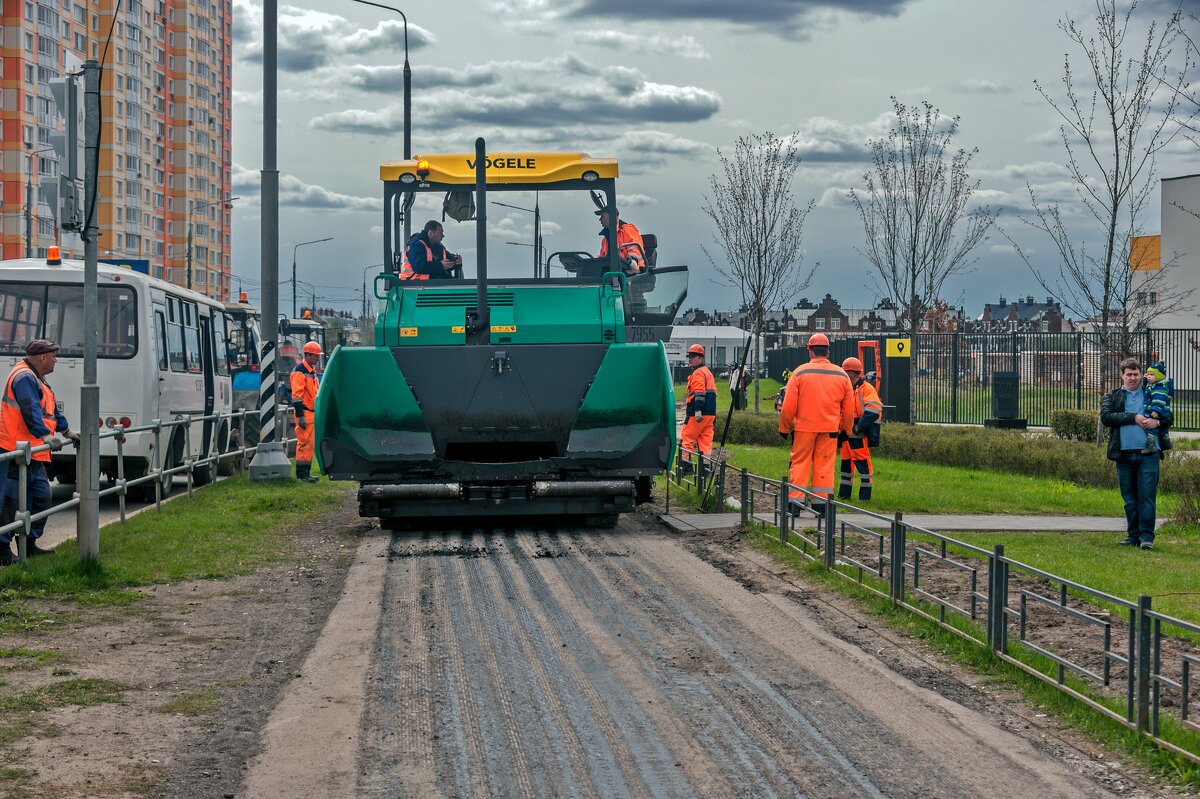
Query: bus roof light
[(53, 258)]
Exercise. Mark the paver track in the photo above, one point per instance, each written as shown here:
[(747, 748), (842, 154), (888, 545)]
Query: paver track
[(564, 663)]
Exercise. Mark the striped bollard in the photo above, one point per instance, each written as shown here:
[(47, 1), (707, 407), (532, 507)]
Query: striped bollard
[(270, 460)]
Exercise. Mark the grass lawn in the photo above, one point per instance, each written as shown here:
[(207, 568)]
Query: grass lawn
[(228, 528), (921, 488)]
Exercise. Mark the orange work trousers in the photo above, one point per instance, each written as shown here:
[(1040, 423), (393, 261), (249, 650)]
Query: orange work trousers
[(304, 439), (697, 433), (813, 455), (856, 459)]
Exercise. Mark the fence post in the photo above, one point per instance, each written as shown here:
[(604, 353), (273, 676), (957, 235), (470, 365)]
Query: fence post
[(121, 470), (993, 597), (22, 500), (898, 544), (784, 510), (954, 378), (745, 497), (1078, 371), (830, 526), (158, 482), (721, 486), (187, 450), (1143, 664), (998, 602), (1016, 364)]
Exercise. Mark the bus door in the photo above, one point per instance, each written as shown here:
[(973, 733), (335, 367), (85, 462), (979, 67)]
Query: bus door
[(208, 367)]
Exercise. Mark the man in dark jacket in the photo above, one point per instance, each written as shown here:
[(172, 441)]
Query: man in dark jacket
[(1123, 411), (425, 257)]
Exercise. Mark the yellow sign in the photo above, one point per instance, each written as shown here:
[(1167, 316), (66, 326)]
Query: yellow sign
[(458, 329), (501, 168), (899, 348), (408, 332), (504, 328)]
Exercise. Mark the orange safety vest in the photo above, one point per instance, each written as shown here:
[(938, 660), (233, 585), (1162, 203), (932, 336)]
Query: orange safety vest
[(629, 245), (819, 399), (12, 421), (701, 392), (305, 382), (866, 398), (406, 270)]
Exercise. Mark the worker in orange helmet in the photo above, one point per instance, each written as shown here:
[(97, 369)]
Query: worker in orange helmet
[(630, 247), (305, 382), (856, 451), (700, 410), (818, 405)]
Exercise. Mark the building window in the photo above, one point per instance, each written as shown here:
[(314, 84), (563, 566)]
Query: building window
[(818, 324), (1045, 326), (1153, 297), (835, 324)]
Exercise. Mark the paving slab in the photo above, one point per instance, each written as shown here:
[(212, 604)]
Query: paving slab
[(692, 522)]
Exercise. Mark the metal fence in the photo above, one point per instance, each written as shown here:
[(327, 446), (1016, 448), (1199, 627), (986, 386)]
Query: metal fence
[(1140, 671), (952, 372), (156, 474)]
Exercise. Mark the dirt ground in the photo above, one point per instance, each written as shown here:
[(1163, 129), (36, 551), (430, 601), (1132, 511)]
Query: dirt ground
[(204, 663)]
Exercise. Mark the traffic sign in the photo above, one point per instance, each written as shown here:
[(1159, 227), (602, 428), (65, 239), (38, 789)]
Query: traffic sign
[(899, 347)]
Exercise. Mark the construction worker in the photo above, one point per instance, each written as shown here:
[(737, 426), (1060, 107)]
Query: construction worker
[(305, 382), (700, 410), (425, 257), (30, 413), (856, 451), (818, 405), (630, 247)]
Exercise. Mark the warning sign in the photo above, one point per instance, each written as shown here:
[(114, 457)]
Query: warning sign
[(408, 332), (899, 348)]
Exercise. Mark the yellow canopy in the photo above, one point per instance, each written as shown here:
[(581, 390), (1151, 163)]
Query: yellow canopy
[(501, 168)]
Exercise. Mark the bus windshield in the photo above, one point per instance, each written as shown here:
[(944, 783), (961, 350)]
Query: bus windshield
[(54, 311)]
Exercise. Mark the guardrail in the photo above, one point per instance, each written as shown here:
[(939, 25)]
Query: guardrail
[(23, 454), (1149, 678)]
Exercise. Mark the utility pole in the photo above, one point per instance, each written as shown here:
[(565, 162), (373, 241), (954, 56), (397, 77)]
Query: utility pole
[(189, 253), (88, 464), (270, 460)]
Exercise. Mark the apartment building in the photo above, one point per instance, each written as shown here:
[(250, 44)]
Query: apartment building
[(166, 144)]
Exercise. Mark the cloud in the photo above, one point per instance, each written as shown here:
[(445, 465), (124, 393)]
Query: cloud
[(636, 200), (980, 86), (389, 79), (621, 41), (1033, 172), (564, 90), (309, 40), (295, 193), (824, 140)]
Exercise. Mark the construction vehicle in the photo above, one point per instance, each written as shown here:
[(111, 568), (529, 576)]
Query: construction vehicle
[(504, 397)]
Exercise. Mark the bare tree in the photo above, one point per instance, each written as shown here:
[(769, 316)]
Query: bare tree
[(1113, 124), (916, 210), (758, 229)]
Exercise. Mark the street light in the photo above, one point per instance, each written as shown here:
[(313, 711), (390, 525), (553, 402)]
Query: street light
[(298, 246), (29, 198), (407, 99), (536, 210), (196, 207), (364, 288)]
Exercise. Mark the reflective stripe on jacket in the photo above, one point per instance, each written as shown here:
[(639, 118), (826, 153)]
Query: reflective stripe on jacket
[(866, 400), (13, 427), (819, 399), (305, 382), (701, 393), (406, 270), (629, 245)]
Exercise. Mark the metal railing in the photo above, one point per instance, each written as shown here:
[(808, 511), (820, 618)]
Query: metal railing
[(1134, 672), (155, 473)]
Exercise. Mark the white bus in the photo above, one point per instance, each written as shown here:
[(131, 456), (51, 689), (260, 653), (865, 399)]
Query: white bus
[(161, 354)]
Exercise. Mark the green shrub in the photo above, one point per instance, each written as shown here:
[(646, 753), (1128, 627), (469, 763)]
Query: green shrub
[(746, 428), (1075, 425)]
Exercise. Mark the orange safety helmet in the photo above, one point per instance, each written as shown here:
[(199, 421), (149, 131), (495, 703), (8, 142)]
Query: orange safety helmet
[(696, 349), (852, 365), (818, 340), (312, 348)]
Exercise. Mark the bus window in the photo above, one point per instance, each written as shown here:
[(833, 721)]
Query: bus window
[(20, 316), (116, 319), (220, 343), (175, 347), (191, 336), (160, 339)]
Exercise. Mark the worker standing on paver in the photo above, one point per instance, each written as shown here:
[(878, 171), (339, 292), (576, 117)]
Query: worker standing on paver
[(856, 447), (305, 382), (700, 410), (30, 413), (818, 405)]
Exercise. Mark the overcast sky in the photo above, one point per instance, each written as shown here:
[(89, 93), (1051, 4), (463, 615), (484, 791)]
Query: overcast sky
[(660, 85)]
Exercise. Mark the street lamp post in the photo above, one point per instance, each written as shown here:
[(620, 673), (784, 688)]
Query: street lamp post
[(29, 199), (364, 288), (536, 210), (298, 246), (196, 207), (407, 99)]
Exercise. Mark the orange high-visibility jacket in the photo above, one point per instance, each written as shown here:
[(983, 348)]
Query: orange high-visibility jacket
[(406, 270), (701, 393), (819, 399), (866, 398), (629, 245), (305, 381), (12, 421)]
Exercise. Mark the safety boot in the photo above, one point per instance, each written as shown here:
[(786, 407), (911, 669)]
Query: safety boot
[(7, 558), (32, 550)]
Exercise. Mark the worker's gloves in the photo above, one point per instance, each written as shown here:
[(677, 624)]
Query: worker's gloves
[(699, 416), (55, 441), (301, 421), (783, 436)]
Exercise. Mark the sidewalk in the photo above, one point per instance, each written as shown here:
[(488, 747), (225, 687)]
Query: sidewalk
[(941, 523)]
